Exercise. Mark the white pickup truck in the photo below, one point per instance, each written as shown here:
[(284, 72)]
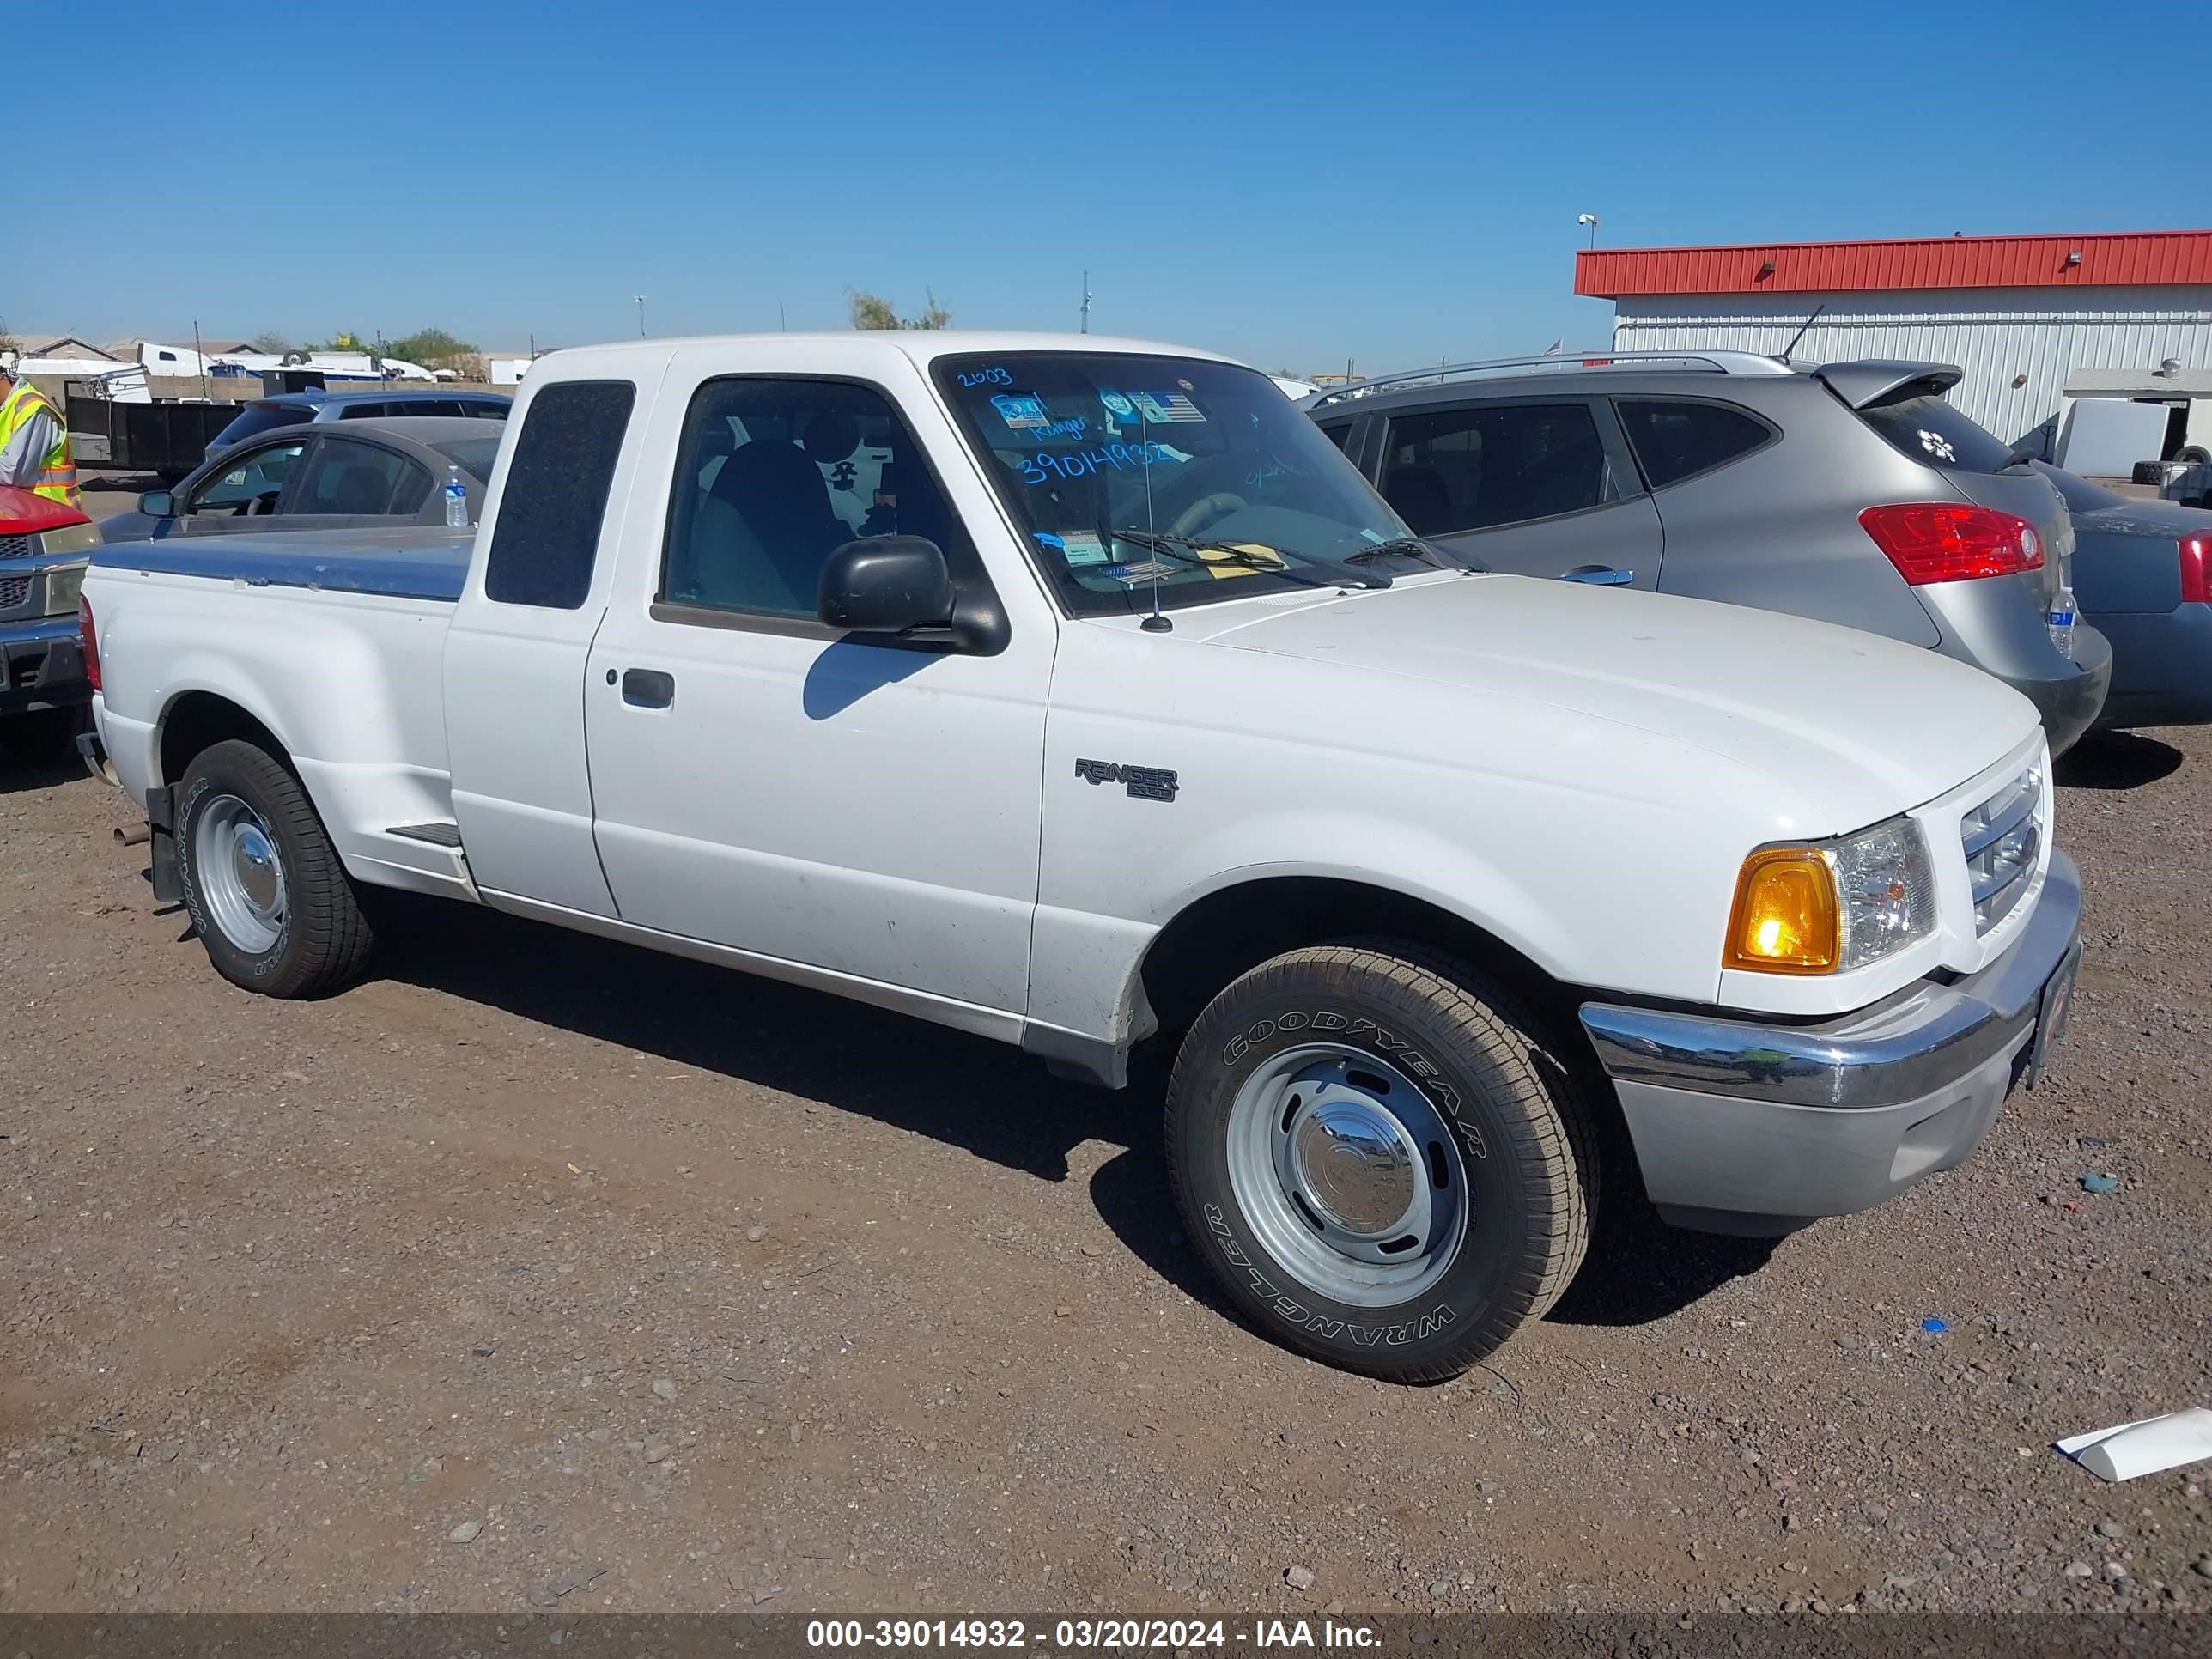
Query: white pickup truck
[(1107, 703)]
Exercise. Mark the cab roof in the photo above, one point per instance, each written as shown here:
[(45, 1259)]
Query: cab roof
[(921, 347)]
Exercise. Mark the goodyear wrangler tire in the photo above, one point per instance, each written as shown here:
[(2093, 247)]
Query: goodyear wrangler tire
[(267, 893), (1378, 1157)]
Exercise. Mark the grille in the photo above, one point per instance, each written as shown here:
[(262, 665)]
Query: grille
[(15, 547), (13, 590), (2001, 838)]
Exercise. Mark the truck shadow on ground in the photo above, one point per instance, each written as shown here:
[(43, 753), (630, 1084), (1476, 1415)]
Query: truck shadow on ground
[(47, 767), (984, 1097)]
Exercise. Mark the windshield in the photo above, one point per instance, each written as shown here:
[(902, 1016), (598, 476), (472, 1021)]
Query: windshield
[(1128, 471), (473, 455)]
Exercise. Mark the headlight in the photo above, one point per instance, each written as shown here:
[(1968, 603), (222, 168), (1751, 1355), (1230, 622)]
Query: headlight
[(63, 587), (69, 538), (1831, 906)]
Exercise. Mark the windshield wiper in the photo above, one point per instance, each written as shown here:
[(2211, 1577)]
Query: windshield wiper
[(1405, 547), (1191, 549)]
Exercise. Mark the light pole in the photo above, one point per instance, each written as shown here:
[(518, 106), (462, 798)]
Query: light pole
[(640, 298), (1084, 325), (1589, 219)]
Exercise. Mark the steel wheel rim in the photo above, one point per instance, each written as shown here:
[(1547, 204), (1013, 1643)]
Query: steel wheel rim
[(241, 875), (1350, 1177)]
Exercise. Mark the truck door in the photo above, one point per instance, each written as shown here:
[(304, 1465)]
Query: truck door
[(515, 653), (851, 803)]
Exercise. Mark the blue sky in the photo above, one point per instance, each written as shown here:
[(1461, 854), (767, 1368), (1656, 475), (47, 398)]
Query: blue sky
[(1294, 184)]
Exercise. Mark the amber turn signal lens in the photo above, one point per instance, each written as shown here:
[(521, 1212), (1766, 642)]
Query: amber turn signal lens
[(1784, 919)]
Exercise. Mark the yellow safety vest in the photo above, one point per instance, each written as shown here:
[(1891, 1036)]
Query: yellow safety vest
[(57, 472)]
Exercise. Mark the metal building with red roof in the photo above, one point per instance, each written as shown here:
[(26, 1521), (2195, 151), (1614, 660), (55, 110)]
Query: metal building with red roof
[(2033, 320)]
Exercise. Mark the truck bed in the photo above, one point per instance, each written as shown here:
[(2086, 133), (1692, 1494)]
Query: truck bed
[(352, 622), (407, 562)]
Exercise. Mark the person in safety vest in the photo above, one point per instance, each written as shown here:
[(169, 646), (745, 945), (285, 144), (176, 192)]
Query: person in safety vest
[(34, 447)]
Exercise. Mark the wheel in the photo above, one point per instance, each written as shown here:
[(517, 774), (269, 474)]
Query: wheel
[(266, 892), (1379, 1159), (2195, 455)]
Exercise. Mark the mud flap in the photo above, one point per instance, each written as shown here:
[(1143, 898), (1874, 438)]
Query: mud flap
[(161, 820)]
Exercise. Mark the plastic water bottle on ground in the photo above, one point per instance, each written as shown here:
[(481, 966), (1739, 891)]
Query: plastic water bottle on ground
[(457, 502)]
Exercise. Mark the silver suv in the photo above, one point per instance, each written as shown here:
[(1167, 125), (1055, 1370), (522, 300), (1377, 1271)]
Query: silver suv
[(1849, 492)]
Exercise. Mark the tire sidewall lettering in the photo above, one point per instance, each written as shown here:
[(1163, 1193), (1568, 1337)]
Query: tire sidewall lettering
[(1360, 1028), (1289, 1303)]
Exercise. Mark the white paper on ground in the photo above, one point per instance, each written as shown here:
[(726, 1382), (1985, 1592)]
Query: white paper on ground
[(2144, 1447)]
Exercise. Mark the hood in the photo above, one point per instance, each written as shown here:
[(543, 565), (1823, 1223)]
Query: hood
[(25, 513), (1863, 726)]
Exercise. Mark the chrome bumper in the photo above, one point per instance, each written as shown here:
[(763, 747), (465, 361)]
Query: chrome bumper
[(1744, 1127)]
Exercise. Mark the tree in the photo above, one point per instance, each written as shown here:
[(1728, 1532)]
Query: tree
[(873, 311), (274, 344), (431, 347)]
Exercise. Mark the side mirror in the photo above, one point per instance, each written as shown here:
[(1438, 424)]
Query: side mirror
[(886, 584), (159, 504)]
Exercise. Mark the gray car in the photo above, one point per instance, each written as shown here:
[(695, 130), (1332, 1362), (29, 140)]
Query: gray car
[(2143, 571), (1851, 493), (315, 477)]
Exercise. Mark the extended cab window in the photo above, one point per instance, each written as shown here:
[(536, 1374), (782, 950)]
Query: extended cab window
[(1496, 464), (774, 475), (550, 508), (1675, 439)]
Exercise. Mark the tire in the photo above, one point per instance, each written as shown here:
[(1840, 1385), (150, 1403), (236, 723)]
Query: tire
[(266, 892), (1340, 1101)]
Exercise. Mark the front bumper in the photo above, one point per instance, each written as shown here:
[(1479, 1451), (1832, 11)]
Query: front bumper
[(2068, 703), (1746, 1128), (42, 667)]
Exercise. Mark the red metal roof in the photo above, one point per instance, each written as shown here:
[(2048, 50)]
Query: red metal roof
[(2108, 259)]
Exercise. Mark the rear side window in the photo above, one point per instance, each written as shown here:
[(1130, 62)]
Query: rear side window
[(555, 495), (492, 408), (1677, 441), (363, 412), (359, 479), (1931, 432), (474, 456), (1339, 435), (1470, 469)]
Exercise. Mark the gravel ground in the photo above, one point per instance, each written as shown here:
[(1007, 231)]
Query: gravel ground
[(540, 1271)]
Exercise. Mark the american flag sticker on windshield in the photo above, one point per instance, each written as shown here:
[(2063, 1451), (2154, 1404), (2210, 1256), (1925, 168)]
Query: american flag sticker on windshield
[(1166, 406)]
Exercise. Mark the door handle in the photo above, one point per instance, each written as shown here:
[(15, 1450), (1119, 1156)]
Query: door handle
[(647, 687), (1598, 576)]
